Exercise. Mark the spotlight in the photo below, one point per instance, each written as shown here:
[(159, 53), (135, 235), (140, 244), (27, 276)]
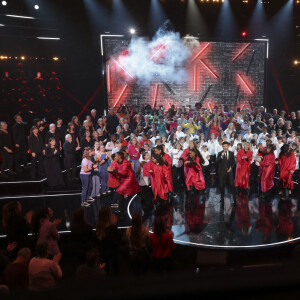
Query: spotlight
[(36, 7), (132, 31), (296, 62), (23, 57), (55, 58), (4, 3), (244, 33)]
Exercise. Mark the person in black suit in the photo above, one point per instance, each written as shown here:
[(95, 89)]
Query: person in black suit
[(37, 150), (226, 165)]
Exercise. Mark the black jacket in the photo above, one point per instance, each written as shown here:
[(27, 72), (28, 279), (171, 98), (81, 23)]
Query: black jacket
[(36, 144), (224, 164), (112, 123), (69, 148), (19, 133), (5, 140)]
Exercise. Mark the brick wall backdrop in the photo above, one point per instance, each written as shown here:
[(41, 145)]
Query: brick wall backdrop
[(231, 74)]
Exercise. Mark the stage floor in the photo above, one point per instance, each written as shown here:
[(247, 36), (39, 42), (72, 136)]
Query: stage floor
[(196, 220)]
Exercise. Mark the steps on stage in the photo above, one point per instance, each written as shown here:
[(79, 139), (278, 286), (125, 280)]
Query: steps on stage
[(24, 187)]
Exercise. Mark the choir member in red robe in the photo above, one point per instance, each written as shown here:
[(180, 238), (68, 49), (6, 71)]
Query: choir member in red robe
[(159, 173), (193, 174), (123, 168), (243, 167), (168, 162), (186, 152), (113, 178), (267, 169), (265, 221), (287, 165)]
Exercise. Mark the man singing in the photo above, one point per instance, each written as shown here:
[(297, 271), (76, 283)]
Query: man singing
[(226, 164)]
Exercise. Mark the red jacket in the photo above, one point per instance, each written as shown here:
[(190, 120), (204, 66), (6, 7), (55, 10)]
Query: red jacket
[(162, 248)]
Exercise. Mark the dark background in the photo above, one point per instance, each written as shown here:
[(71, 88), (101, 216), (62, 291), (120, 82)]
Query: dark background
[(79, 24)]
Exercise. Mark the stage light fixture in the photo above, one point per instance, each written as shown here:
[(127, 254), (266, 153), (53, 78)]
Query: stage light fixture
[(4, 3), (296, 62), (55, 58), (22, 57), (132, 31), (244, 33), (2, 25), (36, 7)]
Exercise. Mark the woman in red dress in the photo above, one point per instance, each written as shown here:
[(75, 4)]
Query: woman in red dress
[(215, 127), (186, 153), (242, 174), (193, 174), (168, 162), (287, 165), (267, 169), (158, 172)]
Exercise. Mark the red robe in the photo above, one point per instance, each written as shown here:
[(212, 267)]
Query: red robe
[(113, 178), (242, 212), (129, 185), (158, 178), (243, 169), (264, 222), (287, 164), (285, 224), (168, 159), (267, 172), (194, 176)]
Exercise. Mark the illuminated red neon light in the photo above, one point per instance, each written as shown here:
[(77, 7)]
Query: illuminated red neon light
[(241, 52), (108, 78), (245, 84), (155, 94), (158, 50), (195, 78), (209, 69), (201, 51), (210, 107), (121, 94), (123, 68)]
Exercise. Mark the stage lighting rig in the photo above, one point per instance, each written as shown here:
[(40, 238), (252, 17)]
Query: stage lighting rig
[(36, 7), (132, 31), (4, 3)]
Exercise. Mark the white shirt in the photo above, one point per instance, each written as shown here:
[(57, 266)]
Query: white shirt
[(179, 134), (205, 156), (248, 137), (218, 149), (176, 154), (211, 146)]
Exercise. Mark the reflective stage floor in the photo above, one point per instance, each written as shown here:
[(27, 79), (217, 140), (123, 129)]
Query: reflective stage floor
[(198, 220)]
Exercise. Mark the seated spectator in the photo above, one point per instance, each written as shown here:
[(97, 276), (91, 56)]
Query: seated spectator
[(162, 246), (93, 269), (43, 272), (15, 275)]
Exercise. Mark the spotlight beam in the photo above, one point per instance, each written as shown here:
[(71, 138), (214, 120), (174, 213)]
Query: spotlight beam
[(241, 52), (200, 52), (123, 68), (208, 69), (121, 94)]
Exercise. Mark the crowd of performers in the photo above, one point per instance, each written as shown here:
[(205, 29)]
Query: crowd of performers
[(133, 151)]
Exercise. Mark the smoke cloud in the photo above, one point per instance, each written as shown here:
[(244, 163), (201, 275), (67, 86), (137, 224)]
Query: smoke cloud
[(163, 58)]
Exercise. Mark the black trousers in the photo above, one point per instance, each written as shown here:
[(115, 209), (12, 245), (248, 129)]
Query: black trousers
[(206, 175), (70, 165), (7, 160), (20, 157), (224, 179), (37, 164)]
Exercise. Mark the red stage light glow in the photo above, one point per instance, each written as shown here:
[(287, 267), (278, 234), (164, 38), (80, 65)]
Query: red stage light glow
[(123, 68), (244, 33), (155, 95), (108, 78), (158, 50), (120, 96), (195, 78), (200, 52), (245, 84), (242, 51), (210, 107), (208, 69)]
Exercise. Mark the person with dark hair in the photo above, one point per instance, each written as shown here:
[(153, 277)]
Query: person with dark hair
[(109, 239), (112, 121), (44, 273), (162, 245), (86, 141), (168, 162), (129, 185), (159, 173), (20, 141), (193, 172), (93, 269), (287, 166), (37, 150), (82, 232), (6, 148), (226, 164), (267, 169), (104, 162), (242, 174), (15, 275), (52, 164), (46, 230), (137, 235)]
